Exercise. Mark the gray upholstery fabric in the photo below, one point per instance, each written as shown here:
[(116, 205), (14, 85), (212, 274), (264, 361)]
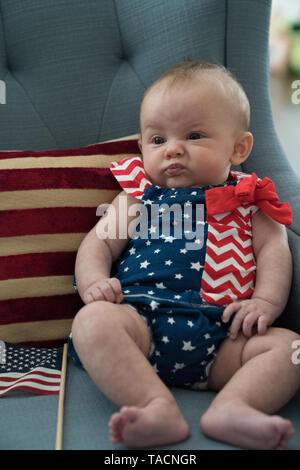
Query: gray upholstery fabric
[(30, 421), (75, 72)]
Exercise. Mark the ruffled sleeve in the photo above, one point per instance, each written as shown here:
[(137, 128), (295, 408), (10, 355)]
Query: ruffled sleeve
[(131, 176)]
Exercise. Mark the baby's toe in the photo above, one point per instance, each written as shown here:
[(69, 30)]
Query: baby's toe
[(116, 425)]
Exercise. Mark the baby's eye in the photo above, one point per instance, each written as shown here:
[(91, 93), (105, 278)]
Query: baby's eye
[(195, 136), (157, 140)]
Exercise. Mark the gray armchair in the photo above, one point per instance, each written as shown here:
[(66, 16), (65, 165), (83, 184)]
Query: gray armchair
[(74, 74)]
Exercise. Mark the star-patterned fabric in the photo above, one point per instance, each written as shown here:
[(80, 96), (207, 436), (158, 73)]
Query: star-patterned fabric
[(160, 254), (160, 272)]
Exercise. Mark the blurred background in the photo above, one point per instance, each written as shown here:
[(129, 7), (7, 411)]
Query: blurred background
[(285, 74)]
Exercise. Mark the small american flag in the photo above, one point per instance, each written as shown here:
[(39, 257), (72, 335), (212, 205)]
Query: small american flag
[(35, 369)]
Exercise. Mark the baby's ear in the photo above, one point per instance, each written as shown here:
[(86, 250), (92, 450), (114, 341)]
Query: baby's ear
[(140, 145), (242, 148)]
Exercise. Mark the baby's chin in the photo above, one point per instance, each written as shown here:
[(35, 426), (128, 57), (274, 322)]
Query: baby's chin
[(200, 184), (183, 181), (174, 182)]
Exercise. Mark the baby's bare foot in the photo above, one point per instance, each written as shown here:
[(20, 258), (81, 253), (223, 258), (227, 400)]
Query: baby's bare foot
[(160, 422), (245, 427)]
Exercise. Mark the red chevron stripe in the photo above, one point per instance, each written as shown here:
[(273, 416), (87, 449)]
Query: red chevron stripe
[(136, 182), (217, 275), (136, 194), (132, 181), (233, 232), (214, 243), (234, 217), (243, 232), (119, 170), (225, 287), (232, 222), (218, 259), (225, 300), (241, 276), (138, 179)]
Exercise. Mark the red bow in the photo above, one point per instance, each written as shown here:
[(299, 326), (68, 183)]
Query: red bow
[(261, 193)]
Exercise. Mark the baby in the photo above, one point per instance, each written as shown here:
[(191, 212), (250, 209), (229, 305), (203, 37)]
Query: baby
[(199, 275)]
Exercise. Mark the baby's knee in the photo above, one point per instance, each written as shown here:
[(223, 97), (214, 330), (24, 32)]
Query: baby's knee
[(92, 319), (276, 339), (283, 338)]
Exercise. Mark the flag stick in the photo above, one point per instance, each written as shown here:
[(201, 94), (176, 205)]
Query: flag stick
[(60, 413)]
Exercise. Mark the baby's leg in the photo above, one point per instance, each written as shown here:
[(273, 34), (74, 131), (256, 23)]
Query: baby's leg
[(112, 341), (256, 377)]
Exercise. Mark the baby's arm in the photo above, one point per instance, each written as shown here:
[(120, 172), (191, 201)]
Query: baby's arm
[(273, 279), (100, 248)]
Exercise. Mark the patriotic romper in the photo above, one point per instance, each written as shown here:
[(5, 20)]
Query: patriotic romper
[(186, 261)]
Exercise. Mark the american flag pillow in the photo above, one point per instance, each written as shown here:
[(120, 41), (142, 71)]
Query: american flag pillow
[(48, 202)]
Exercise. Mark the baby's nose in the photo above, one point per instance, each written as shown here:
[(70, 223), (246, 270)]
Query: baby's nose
[(175, 149)]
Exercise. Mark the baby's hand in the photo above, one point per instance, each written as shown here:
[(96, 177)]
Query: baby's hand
[(105, 289), (249, 313)]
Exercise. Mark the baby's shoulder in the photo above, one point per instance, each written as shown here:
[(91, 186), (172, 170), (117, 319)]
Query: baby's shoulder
[(123, 201)]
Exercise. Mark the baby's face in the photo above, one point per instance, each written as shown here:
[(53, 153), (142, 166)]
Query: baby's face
[(188, 134)]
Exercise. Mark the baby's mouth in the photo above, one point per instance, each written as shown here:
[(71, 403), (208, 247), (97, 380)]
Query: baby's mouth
[(174, 169)]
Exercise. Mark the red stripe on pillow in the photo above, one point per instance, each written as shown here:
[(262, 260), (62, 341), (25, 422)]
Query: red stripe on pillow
[(109, 148), (29, 309), (54, 311), (37, 265), (45, 343), (49, 220), (57, 178)]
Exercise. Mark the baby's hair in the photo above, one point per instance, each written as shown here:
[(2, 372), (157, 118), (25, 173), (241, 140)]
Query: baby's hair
[(191, 70)]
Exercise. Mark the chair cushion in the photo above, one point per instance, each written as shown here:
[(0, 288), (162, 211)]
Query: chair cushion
[(48, 202)]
